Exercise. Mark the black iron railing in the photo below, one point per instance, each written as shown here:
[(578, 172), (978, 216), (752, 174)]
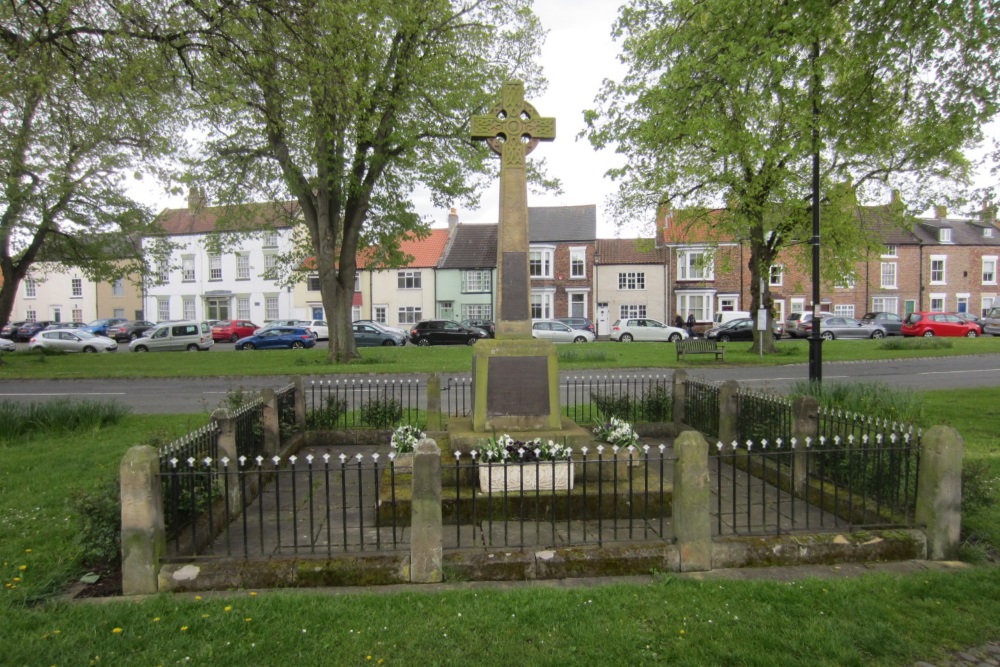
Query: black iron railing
[(701, 406), (761, 415)]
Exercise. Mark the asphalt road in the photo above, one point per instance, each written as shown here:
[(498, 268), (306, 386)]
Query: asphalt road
[(192, 395)]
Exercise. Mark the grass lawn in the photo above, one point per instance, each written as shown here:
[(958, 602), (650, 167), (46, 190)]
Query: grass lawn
[(875, 620), (413, 359)]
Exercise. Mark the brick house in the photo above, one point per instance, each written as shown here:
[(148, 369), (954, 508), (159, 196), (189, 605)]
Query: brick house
[(561, 260)]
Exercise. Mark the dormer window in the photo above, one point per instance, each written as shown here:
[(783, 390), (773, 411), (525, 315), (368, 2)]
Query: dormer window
[(987, 232), (944, 235)]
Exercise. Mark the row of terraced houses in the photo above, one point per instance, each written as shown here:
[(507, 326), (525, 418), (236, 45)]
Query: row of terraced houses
[(939, 263)]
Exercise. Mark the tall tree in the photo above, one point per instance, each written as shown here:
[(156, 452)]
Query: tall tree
[(84, 105), (721, 100), (347, 107)]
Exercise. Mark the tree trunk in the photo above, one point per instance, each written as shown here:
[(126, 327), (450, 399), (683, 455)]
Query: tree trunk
[(760, 264)]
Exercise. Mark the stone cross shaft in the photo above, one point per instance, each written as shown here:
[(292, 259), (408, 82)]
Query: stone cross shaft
[(512, 129)]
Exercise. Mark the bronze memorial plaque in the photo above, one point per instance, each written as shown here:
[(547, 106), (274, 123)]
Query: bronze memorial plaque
[(517, 386), (514, 305)]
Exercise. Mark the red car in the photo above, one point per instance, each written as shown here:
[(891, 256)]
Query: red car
[(939, 324), (232, 330)]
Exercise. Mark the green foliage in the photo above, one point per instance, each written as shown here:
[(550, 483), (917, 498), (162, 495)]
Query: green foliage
[(874, 399), (381, 411), (921, 343), (99, 515), (328, 416), (979, 485), (18, 420), (654, 405)]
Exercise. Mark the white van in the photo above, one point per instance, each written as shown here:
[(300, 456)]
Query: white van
[(724, 316), (175, 336)]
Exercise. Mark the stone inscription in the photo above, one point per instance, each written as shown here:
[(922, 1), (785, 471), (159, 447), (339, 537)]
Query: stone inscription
[(514, 302), (517, 386)]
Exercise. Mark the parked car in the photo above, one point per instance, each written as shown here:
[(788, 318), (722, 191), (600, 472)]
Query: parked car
[(7, 345), (739, 329), (319, 328), (233, 330), (66, 325), (367, 335), (848, 327), (726, 316), (71, 340), (991, 322), (129, 330), (938, 324), (100, 327), (799, 325), (644, 329), (29, 329), (559, 332), (384, 327), (444, 332), (579, 323), (486, 325), (9, 330), (971, 317), (175, 337), (891, 322), (278, 338), (275, 323)]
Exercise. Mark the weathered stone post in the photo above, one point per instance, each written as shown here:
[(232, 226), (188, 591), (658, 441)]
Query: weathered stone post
[(425, 521), (434, 420), (805, 424), (143, 537), (939, 496), (728, 411), (691, 502), (227, 449), (272, 425), (679, 398), (300, 405)]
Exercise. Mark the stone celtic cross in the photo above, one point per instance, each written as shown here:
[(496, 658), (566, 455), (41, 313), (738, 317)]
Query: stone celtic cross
[(512, 129)]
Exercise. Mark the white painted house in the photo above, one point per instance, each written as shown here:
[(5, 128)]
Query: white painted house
[(201, 282), (53, 291)]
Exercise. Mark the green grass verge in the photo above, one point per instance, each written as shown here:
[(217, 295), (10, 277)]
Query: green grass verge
[(875, 620), (455, 359)]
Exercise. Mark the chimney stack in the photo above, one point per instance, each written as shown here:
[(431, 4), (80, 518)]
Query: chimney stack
[(452, 219), (196, 199)]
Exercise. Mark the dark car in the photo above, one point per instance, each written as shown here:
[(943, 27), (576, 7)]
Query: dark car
[(891, 322), (233, 330), (739, 329), (368, 335), (278, 338), (129, 330), (100, 327), (29, 329), (486, 325), (10, 329), (579, 323), (444, 332)]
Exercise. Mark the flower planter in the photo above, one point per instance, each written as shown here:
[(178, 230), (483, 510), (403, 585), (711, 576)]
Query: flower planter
[(541, 476)]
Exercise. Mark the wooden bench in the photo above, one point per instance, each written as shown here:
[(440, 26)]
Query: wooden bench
[(699, 346)]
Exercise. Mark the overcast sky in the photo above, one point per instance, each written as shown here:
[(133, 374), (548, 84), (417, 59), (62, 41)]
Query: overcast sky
[(577, 56)]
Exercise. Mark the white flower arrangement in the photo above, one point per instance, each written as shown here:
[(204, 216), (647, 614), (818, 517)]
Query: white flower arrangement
[(405, 438), (616, 432), (505, 448)]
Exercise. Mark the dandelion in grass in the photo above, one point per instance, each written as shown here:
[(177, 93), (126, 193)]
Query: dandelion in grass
[(27, 551), (184, 628), (116, 631), (22, 568), (156, 619), (228, 608), (197, 598)]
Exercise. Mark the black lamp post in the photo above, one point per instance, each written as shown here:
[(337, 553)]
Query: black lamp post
[(815, 341)]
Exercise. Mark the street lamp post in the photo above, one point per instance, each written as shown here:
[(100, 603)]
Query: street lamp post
[(815, 341)]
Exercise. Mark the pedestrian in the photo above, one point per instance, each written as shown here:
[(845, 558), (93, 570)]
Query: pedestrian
[(679, 321), (690, 324)]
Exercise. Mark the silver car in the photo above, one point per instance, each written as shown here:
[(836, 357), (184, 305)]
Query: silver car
[(848, 327), (71, 340), (7, 345), (557, 332)]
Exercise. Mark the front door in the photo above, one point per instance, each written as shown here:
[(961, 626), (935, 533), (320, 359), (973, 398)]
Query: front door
[(603, 319)]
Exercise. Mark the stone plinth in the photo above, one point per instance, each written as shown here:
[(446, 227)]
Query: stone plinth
[(515, 386)]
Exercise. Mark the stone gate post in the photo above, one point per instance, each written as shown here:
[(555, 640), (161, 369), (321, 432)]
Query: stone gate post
[(939, 496)]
